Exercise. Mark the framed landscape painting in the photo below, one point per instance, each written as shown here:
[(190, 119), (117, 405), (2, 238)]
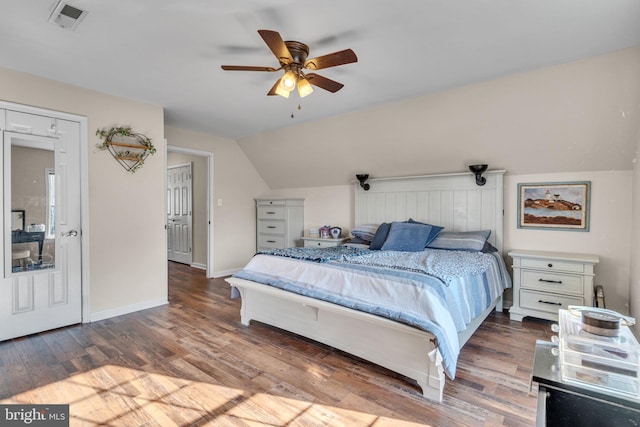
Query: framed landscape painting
[(554, 206)]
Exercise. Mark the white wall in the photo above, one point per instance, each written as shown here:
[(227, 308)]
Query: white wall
[(127, 266)]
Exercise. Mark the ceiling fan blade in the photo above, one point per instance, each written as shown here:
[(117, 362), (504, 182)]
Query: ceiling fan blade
[(246, 68), (342, 57), (277, 46), (324, 83)]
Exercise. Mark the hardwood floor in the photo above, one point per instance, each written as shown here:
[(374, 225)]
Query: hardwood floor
[(191, 363)]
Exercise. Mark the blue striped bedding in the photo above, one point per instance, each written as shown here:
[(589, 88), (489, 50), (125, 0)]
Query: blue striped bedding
[(439, 291)]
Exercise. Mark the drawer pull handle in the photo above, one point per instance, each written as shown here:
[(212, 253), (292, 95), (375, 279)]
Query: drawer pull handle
[(550, 281), (549, 302), (550, 265), (271, 226), (271, 241), (271, 213)]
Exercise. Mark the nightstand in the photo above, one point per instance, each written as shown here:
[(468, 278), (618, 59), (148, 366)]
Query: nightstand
[(544, 282), (320, 242)]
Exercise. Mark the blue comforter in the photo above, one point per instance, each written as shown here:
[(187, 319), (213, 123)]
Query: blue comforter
[(436, 290)]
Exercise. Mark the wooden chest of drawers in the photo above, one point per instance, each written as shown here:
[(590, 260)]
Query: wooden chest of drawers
[(544, 282), (280, 223)]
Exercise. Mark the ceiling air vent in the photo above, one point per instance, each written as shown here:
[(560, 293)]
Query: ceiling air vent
[(67, 16)]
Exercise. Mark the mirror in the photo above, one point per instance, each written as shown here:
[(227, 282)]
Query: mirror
[(31, 193)]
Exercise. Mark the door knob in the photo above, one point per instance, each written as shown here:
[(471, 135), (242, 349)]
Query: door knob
[(72, 233)]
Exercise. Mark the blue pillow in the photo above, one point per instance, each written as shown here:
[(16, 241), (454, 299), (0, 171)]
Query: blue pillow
[(408, 237), (435, 230), (461, 240), (380, 237)]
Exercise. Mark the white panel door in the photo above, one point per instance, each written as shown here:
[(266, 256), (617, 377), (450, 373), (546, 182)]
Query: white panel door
[(41, 287), (179, 212)]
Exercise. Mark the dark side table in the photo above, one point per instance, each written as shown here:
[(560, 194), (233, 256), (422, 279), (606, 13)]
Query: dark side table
[(562, 403)]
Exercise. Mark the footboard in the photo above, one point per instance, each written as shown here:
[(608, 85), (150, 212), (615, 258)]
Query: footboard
[(395, 346)]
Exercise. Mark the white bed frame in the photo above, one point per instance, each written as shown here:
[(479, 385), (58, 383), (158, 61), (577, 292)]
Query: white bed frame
[(453, 201)]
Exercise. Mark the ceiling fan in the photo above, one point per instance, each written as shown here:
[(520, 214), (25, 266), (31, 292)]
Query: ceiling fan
[(292, 56)]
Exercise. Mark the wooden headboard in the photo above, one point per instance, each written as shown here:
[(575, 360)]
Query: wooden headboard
[(453, 201)]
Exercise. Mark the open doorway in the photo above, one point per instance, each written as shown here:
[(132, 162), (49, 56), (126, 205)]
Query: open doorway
[(201, 201)]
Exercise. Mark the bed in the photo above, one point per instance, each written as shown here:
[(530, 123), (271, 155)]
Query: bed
[(413, 348)]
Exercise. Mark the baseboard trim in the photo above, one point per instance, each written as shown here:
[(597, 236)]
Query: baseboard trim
[(224, 273), (119, 311), (199, 266)]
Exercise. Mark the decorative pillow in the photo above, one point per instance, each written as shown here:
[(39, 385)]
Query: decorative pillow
[(435, 230), (461, 240), (380, 236), (365, 231), (408, 237)]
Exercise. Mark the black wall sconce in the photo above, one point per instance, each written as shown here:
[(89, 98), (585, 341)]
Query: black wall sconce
[(363, 177), (478, 170)]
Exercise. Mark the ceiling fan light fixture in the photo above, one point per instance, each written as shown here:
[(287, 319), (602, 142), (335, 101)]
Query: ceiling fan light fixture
[(304, 87), (288, 81), (281, 90)]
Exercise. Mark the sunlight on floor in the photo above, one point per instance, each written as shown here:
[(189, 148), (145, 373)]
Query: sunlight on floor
[(118, 396)]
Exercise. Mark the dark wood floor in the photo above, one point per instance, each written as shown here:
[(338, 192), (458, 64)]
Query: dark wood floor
[(192, 363)]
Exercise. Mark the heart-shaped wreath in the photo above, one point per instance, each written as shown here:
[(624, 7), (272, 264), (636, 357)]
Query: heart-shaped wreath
[(129, 148)]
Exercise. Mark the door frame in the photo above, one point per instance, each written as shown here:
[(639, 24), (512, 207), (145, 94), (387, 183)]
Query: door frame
[(210, 187), (84, 189)]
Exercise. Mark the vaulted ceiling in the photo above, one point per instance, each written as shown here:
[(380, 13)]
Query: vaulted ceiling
[(169, 52)]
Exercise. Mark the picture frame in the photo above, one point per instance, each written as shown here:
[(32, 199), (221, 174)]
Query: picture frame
[(554, 205)]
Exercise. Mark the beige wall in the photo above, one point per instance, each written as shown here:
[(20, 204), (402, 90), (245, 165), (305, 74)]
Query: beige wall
[(546, 125), (578, 116), (199, 203), (236, 183), (608, 236), (127, 266), (634, 282), (575, 121)]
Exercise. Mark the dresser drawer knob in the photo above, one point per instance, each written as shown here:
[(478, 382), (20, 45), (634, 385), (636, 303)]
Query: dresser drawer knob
[(550, 281), (550, 265), (549, 302)]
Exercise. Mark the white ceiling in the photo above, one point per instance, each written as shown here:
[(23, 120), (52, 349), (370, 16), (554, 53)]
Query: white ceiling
[(169, 52)]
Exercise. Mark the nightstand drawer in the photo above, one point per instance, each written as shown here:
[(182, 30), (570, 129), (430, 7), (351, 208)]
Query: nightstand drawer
[(272, 227), (547, 302), (552, 282), (271, 212), (320, 244), (552, 265), (270, 242)]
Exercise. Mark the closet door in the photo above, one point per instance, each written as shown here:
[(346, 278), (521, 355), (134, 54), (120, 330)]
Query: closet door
[(42, 284)]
